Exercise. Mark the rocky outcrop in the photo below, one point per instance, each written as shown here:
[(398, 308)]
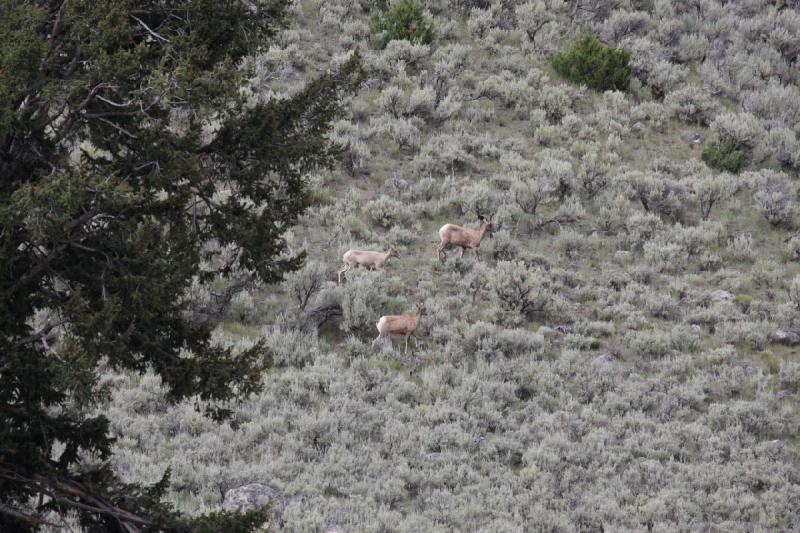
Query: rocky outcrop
[(785, 336), (721, 295), (604, 358), (255, 496)]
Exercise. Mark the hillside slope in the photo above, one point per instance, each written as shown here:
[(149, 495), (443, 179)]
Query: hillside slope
[(611, 363)]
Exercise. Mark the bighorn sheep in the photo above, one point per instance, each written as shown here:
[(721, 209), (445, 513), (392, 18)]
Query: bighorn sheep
[(453, 235), (373, 260), (400, 325)]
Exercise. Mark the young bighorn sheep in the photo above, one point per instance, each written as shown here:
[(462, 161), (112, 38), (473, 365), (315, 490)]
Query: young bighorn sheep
[(373, 260), (400, 325), (453, 235), (356, 258)]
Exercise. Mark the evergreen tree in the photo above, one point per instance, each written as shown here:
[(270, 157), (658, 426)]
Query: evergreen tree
[(725, 154), (591, 63), (130, 159), (404, 20)]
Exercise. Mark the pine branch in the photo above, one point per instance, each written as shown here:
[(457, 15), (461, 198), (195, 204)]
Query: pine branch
[(72, 494), (42, 333), (146, 27)]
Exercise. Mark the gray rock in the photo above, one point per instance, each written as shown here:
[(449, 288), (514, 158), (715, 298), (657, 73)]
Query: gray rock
[(696, 328), (372, 83), (255, 496), (604, 358), (721, 295), (695, 137), (785, 336), (622, 256), (554, 331), (400, 184)]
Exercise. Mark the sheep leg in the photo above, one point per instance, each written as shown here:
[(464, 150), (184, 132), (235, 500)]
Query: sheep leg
[(344, 271), (442, 254), (406, 351), (475, 253), (460, 252)]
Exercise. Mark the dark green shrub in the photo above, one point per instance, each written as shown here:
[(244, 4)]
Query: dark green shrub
[(595, 65), (725, 155), (404, 20)]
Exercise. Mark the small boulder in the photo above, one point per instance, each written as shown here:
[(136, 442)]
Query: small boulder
[(400, 184), (372, 83), (787, 337), (721, 295), (622, 256), (604, 358), (553, 332), (749, 366), (695, 138), (255, 496)]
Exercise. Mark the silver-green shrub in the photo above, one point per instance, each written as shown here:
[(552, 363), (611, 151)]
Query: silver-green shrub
[(305, 283), (555, 101), (793, 248), (385, 212), (774, 197), (664, 255), (712, 190), (789, 376), (777, 104), (649, 344), (532, 191), (641, 228), (742, 247), (443, 154), (693, 104), (291, 346), (657, 193), (519, 290)]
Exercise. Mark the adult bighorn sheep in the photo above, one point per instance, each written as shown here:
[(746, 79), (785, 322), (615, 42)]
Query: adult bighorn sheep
[(400, 325), (356, 258), (453, 235)]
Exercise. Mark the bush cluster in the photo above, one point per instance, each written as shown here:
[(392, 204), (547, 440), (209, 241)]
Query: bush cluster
[(725, 155), (591, 63), (405, 20)]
